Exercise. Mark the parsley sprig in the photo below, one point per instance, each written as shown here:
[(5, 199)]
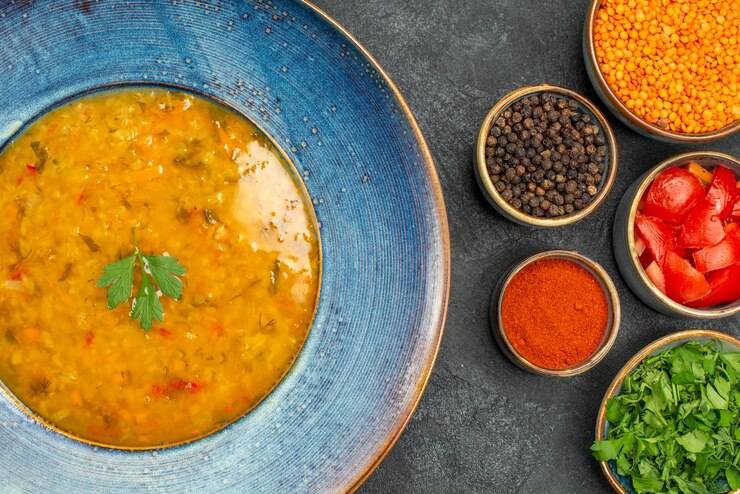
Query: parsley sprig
[(159, 276), (675, 426)]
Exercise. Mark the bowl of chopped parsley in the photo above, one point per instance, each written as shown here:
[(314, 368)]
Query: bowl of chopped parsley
[(670, 421)]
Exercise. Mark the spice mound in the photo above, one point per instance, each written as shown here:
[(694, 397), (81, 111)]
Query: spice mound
[(546, 156), (554, 313), (673, 63)]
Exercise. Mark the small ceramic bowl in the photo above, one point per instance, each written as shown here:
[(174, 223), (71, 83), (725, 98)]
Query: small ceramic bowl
[(621, 484), (612, 326), (618, 108), (493, 196), (624, 239)]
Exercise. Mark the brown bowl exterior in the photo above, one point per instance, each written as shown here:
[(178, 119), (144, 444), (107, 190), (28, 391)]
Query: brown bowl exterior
[(624, 239), (618, 108), (613, 304), (493, 196), (658, 345)]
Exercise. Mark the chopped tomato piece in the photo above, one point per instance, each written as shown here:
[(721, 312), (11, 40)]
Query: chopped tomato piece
[(32, 169), (17, 275), (719, 256), (639, 243), (659, 237), (725, 287), (672, 195), (656, 276), (218, 329), (704, 175), (646, 259), (174, 386), (723, 192), (702, 227), (736, 209), (683, 283)]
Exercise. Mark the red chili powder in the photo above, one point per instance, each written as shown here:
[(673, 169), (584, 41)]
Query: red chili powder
[(554, 313)]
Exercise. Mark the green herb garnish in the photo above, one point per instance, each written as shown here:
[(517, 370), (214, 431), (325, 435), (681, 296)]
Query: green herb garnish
[(159, 276), (675, 426)]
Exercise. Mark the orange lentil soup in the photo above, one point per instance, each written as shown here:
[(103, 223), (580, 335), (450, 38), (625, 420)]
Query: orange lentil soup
[(195, 182)]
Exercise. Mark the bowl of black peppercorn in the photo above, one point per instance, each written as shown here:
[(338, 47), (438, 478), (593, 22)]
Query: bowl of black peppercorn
[(545, 156)]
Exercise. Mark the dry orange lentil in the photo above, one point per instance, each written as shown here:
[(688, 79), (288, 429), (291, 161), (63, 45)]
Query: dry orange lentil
[(673, 63)]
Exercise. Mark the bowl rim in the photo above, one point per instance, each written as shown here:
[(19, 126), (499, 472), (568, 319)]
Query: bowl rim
[(441, 213), (632, 363), (644, 184), (612, 298), (625, 112), (485, 178)]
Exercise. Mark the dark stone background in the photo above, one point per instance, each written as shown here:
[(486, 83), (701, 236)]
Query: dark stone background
[(484, 425)]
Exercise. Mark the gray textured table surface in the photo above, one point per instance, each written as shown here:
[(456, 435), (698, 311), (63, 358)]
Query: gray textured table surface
[(483, 425)]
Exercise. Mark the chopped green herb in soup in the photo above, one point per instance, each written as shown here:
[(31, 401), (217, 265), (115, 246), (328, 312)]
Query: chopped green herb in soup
[(169, 335)]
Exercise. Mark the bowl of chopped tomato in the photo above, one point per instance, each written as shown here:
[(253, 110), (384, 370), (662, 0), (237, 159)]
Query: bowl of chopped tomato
[(677, 236)]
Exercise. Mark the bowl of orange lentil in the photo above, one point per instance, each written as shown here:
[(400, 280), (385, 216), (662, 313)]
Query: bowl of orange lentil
[(669, 70)]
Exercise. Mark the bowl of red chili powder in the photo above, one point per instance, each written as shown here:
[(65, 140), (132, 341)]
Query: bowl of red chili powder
[(556, 313)]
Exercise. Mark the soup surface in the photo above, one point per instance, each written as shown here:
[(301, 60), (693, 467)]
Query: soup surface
[(195, 182)]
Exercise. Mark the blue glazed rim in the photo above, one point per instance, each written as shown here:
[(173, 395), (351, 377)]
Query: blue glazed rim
[(218, 463), (620, 483)]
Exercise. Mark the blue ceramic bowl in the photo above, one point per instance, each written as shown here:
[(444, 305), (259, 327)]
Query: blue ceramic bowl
[(385, 242), (621, 484)]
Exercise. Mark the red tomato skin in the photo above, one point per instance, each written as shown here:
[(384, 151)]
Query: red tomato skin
[(702, 227), (719, 256), (683, 283), (659, 236), (723, 192), (736, 209), (672, 195), (725, 285)]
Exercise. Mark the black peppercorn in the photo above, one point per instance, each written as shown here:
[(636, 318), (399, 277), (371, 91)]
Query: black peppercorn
[(546, 156)]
